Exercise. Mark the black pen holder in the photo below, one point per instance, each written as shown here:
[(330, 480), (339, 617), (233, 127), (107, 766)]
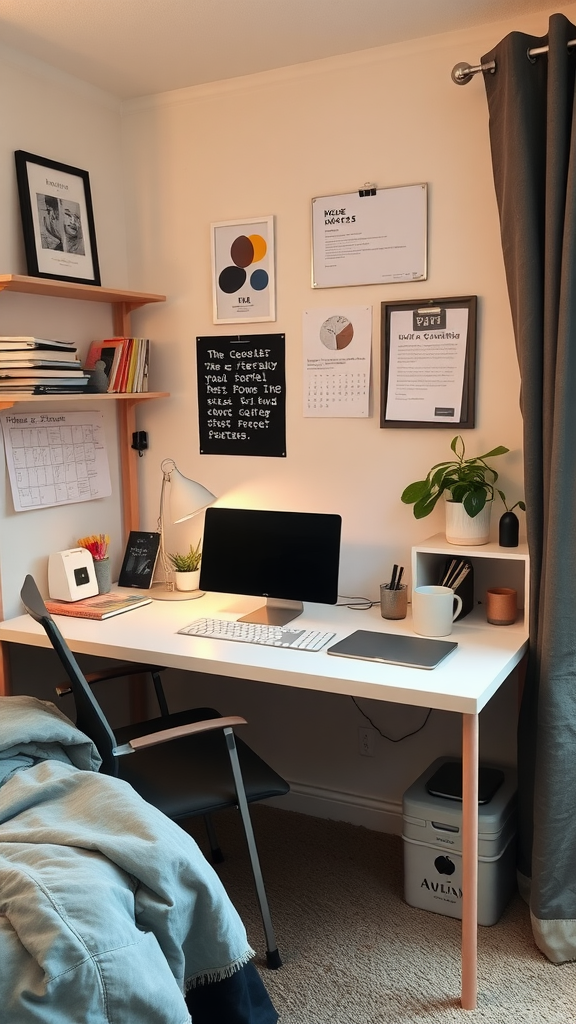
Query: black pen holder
[(465, 590)]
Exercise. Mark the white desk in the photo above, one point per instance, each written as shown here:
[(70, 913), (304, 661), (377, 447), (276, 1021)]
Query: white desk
[(464, 682)]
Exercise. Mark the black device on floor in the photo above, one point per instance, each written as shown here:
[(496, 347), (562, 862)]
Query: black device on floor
[(447, 782)]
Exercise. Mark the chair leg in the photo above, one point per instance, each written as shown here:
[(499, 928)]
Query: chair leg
[(215, 851), (272, 955), (160, 695)]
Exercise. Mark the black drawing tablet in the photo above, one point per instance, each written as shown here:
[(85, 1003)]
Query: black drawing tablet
[(393, 649)]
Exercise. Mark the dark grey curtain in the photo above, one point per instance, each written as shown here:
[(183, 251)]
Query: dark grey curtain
[(533, 141)]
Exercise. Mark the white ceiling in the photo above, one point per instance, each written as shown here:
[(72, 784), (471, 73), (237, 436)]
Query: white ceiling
[(136, 47)]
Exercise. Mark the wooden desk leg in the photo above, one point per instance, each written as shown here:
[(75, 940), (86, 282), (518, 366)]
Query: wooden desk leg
[(469, 861)]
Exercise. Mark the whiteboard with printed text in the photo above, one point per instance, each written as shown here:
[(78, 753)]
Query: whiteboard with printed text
[(374, 236)]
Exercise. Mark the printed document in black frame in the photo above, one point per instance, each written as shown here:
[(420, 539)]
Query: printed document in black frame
[(428, 363)]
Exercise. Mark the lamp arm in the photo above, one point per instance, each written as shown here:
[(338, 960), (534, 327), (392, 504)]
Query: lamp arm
[(160, 526)]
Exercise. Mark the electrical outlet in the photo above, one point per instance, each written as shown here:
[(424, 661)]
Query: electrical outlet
[(366, 741)]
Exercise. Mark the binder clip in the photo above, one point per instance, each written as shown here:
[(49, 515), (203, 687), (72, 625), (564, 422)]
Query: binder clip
[(368, 189)]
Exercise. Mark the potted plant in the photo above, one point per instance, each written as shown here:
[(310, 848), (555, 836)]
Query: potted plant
[(468, 486), (187, 568)]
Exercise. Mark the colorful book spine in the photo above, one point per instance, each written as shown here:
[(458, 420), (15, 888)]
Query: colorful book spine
[(133, 365), (126, 363)]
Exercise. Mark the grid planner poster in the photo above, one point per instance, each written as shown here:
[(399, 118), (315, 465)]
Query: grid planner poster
[(55, 458), (337, 347)]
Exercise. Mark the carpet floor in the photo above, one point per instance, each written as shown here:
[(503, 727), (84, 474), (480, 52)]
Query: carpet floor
[(355, 953)]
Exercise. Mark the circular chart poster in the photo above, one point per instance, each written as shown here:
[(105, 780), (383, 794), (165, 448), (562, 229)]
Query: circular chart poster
[(336, 333), (243, 283)]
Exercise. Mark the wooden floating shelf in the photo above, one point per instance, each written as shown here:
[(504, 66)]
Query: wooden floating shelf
[(122, 304), (71, 290), (7, 401)]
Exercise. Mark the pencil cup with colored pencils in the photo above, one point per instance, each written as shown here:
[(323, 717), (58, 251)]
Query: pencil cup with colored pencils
[(97, 545)]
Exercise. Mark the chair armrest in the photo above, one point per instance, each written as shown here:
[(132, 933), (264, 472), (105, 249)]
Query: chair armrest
[(165, 735)]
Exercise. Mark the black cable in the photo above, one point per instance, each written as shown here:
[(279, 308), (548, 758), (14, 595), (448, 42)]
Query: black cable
[(382, 734), (363, 604), (360, 603)]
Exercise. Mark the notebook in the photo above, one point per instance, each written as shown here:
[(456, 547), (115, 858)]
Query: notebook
[(393, 649), (102, 606)]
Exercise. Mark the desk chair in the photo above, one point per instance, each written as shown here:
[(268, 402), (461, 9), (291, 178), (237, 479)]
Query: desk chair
[(126, 670), (186, 764)]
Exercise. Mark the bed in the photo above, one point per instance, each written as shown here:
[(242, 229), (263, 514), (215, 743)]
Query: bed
[(109, 912)]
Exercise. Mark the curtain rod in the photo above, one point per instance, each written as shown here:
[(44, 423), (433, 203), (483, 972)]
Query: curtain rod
[(463, 73)]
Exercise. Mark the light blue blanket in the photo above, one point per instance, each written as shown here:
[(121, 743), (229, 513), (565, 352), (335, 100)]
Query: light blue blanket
[(108, 910)]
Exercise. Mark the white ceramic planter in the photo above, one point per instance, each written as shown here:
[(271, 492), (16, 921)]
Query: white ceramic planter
[(465, 530), (187, 580)]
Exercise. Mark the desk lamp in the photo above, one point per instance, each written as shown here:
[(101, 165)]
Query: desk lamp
[(187, 498)]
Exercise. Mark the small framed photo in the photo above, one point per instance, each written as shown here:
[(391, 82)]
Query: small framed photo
[(243, 278), (57, 220)]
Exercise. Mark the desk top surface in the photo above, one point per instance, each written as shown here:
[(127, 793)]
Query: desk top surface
[(464, 682)]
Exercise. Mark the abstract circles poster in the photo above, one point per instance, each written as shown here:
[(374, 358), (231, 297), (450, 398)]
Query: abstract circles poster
[(243, 281)]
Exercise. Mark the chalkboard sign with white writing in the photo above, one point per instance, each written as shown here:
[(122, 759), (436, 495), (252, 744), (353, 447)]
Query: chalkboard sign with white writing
[(242, 395)]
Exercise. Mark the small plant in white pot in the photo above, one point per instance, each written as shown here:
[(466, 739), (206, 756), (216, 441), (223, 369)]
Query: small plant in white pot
[(468, 486), (187, 568)]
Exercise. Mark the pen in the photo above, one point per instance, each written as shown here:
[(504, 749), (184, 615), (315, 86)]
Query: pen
[(392, 584), (460, 578), (448, 572), (398, 581)]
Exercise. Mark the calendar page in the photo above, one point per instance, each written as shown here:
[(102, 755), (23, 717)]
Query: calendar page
[(55, 458), (337, 350)]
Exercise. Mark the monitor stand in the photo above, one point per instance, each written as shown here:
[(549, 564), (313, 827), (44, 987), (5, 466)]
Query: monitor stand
[(275, 612)]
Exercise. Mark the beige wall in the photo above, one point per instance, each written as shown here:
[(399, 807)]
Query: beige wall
[(266, 145)]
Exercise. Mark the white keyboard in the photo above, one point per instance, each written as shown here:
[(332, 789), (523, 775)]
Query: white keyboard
[(254, 633)]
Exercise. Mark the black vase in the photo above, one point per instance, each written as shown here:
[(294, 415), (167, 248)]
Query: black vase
[(508, 530)]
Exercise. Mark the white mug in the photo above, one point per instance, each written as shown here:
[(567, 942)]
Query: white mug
[(434, 610)]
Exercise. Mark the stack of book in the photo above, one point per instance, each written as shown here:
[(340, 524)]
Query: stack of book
[(37, 366), (125, 362)]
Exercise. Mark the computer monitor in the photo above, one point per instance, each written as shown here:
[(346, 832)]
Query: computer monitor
[(286, 557)]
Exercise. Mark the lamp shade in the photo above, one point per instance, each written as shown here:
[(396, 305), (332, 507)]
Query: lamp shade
[(187, 497)]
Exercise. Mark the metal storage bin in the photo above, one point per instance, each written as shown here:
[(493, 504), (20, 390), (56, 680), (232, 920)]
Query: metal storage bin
[(432, 841)]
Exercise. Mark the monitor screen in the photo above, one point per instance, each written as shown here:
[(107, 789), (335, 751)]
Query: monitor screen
[(286, 557)]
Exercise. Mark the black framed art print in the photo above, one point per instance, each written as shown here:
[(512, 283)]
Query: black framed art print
[(57, 220)]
